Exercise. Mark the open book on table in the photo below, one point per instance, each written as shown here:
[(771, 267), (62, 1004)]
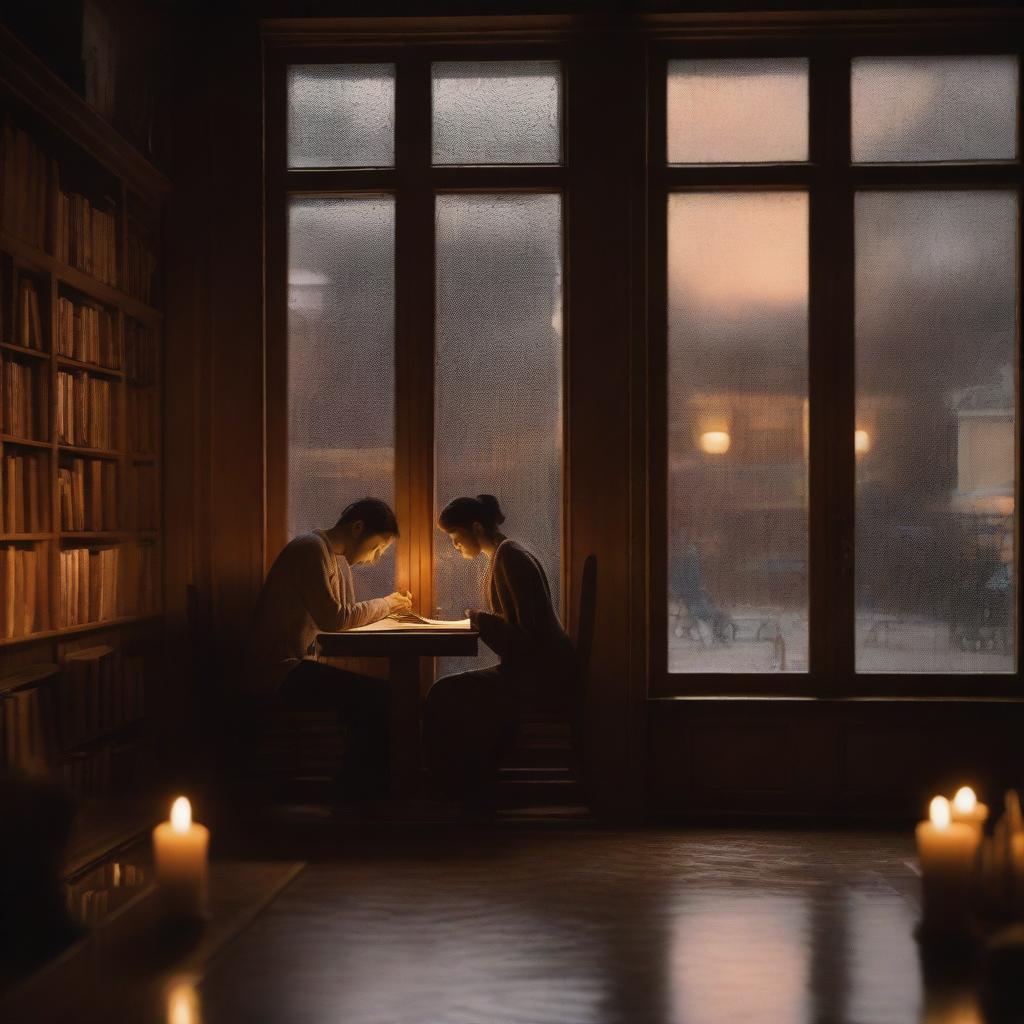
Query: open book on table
[(411, 621)]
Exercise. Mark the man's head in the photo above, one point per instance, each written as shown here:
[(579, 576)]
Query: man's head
[(365, 530)]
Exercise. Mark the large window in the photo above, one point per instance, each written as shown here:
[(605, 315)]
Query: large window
[(424, 306), (838, 490)]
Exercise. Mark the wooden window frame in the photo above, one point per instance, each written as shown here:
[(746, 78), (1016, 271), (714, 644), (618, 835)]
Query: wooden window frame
[(414, 182), (831, 182)]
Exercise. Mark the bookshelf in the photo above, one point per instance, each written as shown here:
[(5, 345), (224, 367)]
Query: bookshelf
[(80, 441)]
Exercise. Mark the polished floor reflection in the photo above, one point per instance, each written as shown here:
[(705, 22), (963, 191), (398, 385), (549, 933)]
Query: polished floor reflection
[(590, 927)]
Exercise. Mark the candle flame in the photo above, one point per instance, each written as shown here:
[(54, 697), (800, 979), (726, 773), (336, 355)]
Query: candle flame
[(183, 1004), (965, 801), (715, 442), (861, 441), (181, 814), (938, 812)]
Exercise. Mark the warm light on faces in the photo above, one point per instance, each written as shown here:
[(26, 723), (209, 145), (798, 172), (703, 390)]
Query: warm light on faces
[(372, 548), (939, 812), (181, 814), (965, 800), (465, 542)]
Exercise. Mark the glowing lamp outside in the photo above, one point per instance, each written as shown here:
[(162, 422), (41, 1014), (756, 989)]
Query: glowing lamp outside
[(715, 442), (180, 856), (861, 442), (946, 849)]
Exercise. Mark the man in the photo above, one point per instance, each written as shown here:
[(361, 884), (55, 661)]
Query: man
[(309, 589)]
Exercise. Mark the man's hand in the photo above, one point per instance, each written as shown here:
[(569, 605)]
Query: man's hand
[(399, 602)]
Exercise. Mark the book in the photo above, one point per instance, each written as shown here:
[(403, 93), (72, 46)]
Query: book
[(410, 622)]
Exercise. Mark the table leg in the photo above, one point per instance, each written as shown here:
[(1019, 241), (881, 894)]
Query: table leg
[(405, 723)]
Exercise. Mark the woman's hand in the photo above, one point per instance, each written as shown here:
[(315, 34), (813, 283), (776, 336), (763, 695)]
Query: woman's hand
[(399, 602)]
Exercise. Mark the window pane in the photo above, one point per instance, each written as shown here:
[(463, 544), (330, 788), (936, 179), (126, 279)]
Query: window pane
[(934, 108), (341, 115), (497, 112), (737, 111), (737, 420), (498, 412), (341, 378), (936, 370)]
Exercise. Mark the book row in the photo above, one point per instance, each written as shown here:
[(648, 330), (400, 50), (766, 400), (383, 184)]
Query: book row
[(27, 178), (25, 406), (87, 333), (88, 495), (23, 506), (86, 237), (28, 325), (77, 230), (24, 590), (99, 584), (140, 353), (140, 268), (84, 411), (48, 710)]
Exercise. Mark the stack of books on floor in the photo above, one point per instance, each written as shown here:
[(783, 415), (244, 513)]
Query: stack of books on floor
[(87, 333), (88, 495), (86, 237), (23, 490), (28, 179), (141, 507), (25, 406), (24, 590), (84, 411), (29, 327)]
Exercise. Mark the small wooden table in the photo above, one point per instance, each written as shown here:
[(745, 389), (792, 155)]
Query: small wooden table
[(403, 648)]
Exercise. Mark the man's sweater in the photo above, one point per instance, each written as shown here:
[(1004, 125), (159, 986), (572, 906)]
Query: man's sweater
[(308, 590)]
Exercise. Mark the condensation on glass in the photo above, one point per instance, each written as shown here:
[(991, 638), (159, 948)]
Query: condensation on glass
[(930, 109), (737, 422), (341, 377), (497, 112), (737, 111), (341, 115), (936, 420), (498, 391)]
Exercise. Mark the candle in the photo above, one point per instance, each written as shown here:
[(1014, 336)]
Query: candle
[(966, 809), (946, 849), (179, 851)]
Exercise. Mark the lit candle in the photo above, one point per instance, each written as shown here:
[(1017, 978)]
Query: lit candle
[(967, 810), (179, 852), (946, 849)]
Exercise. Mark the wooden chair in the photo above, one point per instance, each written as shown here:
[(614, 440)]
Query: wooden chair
[(546, 762)]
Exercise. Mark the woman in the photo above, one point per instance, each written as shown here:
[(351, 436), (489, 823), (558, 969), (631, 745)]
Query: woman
[(469, 717)]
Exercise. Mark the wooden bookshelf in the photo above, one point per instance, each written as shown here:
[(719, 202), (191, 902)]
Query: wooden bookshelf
[(80, 213)]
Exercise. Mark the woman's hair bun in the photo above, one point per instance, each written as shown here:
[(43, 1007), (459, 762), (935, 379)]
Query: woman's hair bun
[(492, 508)]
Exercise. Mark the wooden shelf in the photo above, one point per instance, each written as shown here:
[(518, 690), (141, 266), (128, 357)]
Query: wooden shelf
[(89, 627), (85, 283), (7, 538), (96, 453), (21, 350), (95, 368), (27, 441), (102, 535)]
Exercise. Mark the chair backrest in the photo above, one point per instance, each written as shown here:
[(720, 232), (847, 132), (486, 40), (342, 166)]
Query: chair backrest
[(584, 642)]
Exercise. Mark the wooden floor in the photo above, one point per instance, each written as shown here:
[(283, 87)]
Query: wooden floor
[(417, 925)]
